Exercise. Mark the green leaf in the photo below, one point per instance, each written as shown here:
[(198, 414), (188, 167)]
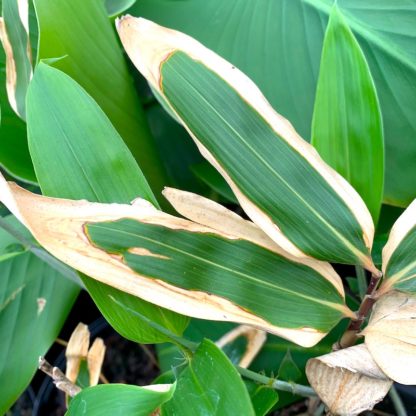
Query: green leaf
[(214, 180), (119, 400), (34, 303), (262, 397), (262, 158), (64, 120), (347, 128), (78, 154), (288, 369), (15, 41), (14, 153), (115, 7), (278, 44), (127, 323), (283, 293), (81, 32), (399, 256), (210, 385)]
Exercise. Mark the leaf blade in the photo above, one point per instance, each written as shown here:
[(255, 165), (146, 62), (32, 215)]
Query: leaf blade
[(346, 125)]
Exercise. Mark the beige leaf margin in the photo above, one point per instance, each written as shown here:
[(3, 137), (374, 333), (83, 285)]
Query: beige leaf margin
[(58, 225), (149, 45), (348, 381), (11, 72), (206, 212), (391, 336), (255, 341), (404, 224)]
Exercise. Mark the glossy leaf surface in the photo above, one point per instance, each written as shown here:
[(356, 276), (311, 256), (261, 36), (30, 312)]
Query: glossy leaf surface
[(32, 307), (347, 129), (210, 385), (279, 43), (119, 400)]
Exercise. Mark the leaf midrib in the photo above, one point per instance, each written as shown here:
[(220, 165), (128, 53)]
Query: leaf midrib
[(339, 307)]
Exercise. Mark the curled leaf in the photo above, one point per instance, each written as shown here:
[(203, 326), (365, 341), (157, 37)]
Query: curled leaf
[(391, 336), (348, 381), (95, 359), (255, 341), (76, 351)]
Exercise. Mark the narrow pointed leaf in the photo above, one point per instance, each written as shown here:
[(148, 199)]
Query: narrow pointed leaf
[(184, 266), (279, 44), (120, 400), (399, 256), (257, 151), (32, 307), (210, 386), (80, 31), (64, 120), (77, 154), (14, 35), (347, 128)]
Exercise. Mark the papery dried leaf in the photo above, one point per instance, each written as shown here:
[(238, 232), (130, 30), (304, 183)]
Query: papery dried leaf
[(76, 351), (348, 381), (391, 336), (95, 359), (255, 341)]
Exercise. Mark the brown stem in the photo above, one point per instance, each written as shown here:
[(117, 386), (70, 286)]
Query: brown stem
[(59, 378), (350, 336)]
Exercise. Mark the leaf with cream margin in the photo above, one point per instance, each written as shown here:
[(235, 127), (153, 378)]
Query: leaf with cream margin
[(186, 267), (348, 381), (14, 35), (279, 179), (390, 336), (399, 255), (120, 400)]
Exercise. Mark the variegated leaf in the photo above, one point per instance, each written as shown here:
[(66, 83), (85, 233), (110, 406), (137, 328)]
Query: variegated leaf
[(184, 266), (278, 178), (399, 254), (14, 35)]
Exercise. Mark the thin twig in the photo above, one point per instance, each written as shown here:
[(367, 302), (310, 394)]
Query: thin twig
[(298, 389), (58, 378), (104, 379), (397, 402), (61, 342), (351, 334)]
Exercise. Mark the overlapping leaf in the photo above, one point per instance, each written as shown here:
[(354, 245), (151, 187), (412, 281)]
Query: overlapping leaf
[(120, 400), (256, 150), (391, 336), (185, 266), (78, 154), (209, 386), (346, 127), (399, 257), (278, 44), (32, 307), (14, 35), (80, 33)]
